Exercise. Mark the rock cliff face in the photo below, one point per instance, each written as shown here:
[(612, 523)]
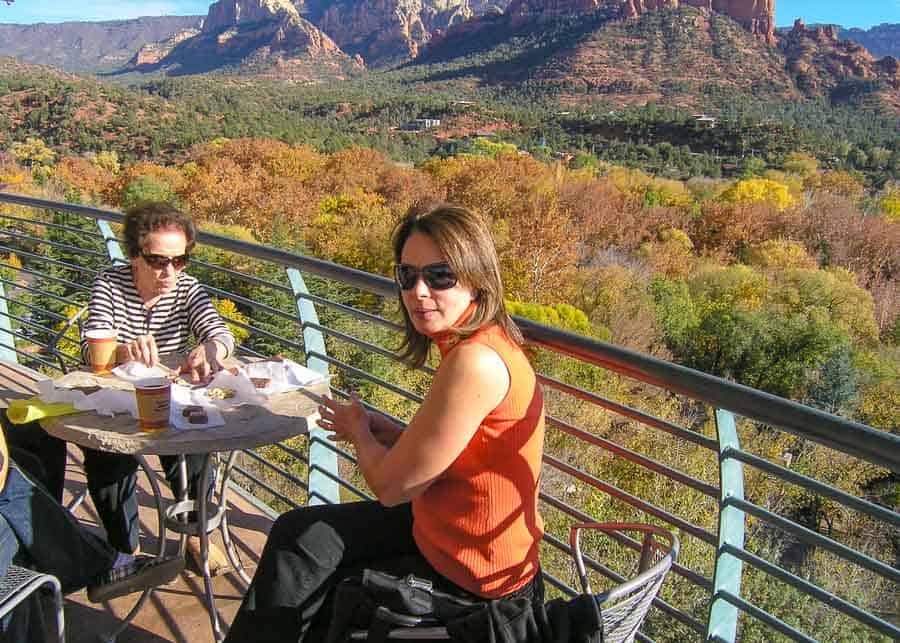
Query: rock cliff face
[(152, 53), (88, 46), (757, 16), (268, 37), (882, 40), (823, 63), (226, 14), (385, 31)]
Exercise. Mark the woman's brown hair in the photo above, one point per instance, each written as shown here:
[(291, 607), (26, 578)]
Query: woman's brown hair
[(149, 217), (465, 241)]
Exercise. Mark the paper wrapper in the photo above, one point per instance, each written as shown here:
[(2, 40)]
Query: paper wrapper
[(132, 371), (282, 376), (116, 395)]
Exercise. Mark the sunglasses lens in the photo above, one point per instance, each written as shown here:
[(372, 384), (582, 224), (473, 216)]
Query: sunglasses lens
[(439, 276), (160, 262), (407, 276)]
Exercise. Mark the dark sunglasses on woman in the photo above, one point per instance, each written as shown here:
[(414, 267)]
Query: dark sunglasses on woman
[(437, 276), (161, 262)]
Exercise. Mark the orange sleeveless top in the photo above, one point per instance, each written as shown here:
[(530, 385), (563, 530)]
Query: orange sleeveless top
[(478, 523)]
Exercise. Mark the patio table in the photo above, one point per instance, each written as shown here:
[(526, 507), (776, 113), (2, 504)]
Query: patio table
[(279, 417)]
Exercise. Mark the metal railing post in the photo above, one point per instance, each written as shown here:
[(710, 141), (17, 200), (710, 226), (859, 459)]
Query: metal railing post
[(7, 339), (322, 461), (112, 242), (723, 615)]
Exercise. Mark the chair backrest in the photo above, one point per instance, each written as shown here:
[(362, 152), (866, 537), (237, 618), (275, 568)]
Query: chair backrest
[(53, 344), (19, 583), (623, 608)]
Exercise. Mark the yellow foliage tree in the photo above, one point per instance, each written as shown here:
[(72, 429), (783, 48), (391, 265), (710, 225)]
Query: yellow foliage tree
[(33, 151), (369, 247), (837, 182), (833, 291), (229, 312), (759, 191), (802, 164), (82, 179), (108, 161), (780, 254), (736, 286), (890, 204), (671, 253)]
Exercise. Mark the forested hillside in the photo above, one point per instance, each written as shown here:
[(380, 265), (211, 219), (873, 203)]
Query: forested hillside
[(161, 119), (785, 281)]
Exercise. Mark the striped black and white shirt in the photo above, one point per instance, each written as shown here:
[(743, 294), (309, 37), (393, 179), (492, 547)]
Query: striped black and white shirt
[(177, 315)]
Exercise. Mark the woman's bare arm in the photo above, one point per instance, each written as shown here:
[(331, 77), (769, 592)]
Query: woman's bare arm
[(470, 383)]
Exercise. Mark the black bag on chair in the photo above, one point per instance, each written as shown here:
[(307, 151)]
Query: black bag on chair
[(379, 602)]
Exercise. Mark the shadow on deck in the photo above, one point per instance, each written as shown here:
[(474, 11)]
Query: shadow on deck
[(175, 612)]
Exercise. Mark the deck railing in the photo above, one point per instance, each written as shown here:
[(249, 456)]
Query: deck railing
[(776, 504)]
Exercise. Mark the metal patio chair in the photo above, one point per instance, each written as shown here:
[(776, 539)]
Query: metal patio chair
[(19, 583), (621, 609)]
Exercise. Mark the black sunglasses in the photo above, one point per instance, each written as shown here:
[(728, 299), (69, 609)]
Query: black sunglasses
[(161, 262), (437, 276)]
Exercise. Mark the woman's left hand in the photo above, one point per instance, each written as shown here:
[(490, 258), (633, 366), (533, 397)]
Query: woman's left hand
[(347, 420)]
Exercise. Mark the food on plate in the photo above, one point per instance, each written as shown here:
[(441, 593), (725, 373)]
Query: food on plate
[(87, 390), (260, 382), (198, 416), (220, 393), (186, 411), (234, 370)]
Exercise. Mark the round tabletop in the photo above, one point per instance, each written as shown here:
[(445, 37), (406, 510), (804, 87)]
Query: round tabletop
[(247, 426)]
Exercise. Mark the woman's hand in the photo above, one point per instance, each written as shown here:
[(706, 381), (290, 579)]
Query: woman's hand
[(348, 420), (203, 361), (140, 349)]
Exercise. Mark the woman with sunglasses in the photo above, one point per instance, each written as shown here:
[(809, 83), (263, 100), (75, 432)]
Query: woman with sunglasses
[(457, 488), (156, 309)]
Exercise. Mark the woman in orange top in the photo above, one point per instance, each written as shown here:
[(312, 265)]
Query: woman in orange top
[(457, 488)]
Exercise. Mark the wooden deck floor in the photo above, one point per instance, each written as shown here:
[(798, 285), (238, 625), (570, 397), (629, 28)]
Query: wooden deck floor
[(175, 612)]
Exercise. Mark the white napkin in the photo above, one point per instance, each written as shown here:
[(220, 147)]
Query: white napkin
[(103, 402), (283, 376), (183, 396), (110, 401), (134, 370)]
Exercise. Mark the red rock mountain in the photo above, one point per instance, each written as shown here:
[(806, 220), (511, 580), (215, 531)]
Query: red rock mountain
[(388, 31), (266, 37), (823, 63), (757, 16)]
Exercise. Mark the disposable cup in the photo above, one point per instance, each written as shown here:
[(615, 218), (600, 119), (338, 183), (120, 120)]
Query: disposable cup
[(154, 399), (102, 349)]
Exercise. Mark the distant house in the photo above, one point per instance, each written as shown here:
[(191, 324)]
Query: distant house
[(705, 121), (421, 124)]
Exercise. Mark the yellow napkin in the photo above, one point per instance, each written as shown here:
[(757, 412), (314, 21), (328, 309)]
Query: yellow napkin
[(24, 411)]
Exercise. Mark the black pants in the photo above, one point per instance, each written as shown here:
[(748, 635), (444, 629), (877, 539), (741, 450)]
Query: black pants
[(310, 550), (111, 478)]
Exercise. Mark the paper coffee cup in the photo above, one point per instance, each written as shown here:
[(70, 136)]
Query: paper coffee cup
[(102, 349), (154, 399)]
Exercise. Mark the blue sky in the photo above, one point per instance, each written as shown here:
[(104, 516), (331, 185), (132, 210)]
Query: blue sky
[(856, 13)]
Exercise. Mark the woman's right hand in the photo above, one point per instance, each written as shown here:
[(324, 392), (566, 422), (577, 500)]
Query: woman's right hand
[(347, 420), (140, 349)]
